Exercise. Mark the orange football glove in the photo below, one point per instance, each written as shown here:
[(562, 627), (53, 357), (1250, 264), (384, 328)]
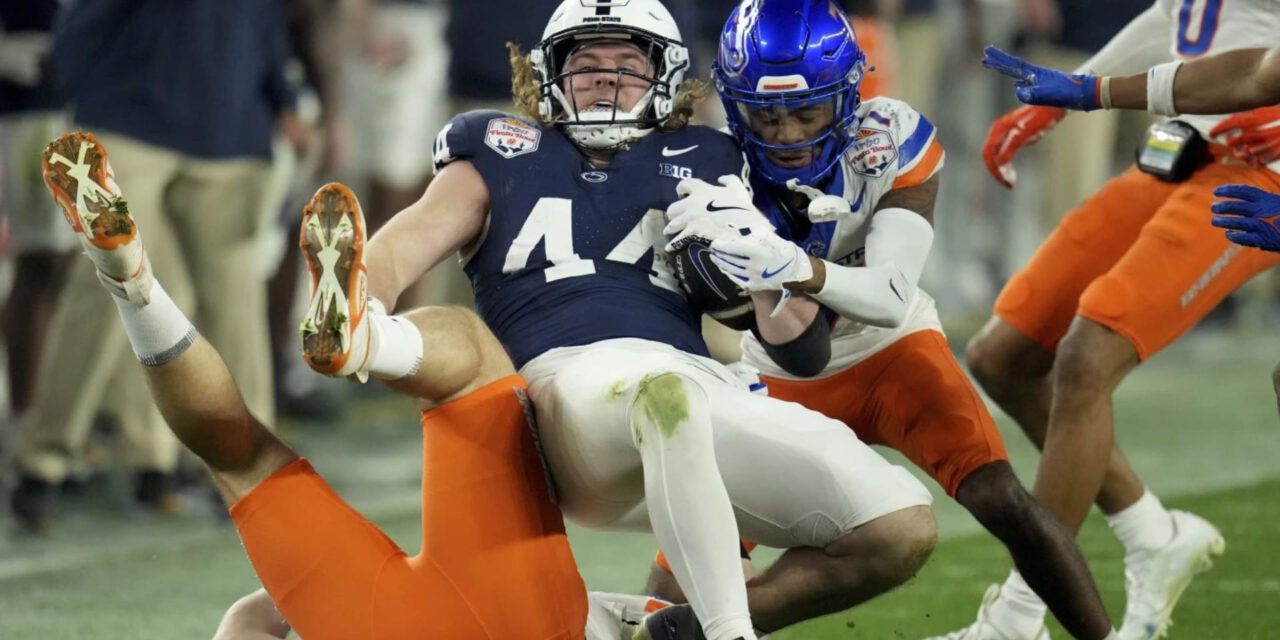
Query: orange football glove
[(1013, 131), (1249, 137)]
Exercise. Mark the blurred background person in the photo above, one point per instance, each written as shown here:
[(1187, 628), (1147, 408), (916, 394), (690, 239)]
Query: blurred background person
[(189, 95), (30, 115)]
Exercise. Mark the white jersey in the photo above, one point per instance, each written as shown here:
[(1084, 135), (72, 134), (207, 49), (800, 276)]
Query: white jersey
[(897, 148), (1199, 28)]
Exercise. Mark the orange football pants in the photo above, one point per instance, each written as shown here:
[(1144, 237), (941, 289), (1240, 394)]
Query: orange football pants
[(494, 565), (913, 397), (1138, 257)]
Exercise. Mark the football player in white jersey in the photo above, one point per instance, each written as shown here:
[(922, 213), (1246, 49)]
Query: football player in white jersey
[(1124, 275), (1227, 82), (850, 188)]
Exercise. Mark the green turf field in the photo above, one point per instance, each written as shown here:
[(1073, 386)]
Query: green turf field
[(1199, 424)]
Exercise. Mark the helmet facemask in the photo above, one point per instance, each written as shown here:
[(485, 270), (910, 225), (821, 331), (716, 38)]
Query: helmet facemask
[(604, 124), (753, 116)]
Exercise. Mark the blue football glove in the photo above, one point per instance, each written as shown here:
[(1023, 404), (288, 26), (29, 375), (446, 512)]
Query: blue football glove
[(1043, 86), (1249, 214)]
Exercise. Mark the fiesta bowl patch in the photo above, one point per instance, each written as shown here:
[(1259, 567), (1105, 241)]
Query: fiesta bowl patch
[(873, 152), (511, 137)]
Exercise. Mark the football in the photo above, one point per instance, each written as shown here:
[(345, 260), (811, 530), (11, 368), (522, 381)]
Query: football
[(709, 290)]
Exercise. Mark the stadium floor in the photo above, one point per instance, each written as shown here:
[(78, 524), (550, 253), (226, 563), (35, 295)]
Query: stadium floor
[(1199, 424)]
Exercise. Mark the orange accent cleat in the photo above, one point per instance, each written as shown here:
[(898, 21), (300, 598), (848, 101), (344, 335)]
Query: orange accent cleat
[(79, 176), (335, 331)]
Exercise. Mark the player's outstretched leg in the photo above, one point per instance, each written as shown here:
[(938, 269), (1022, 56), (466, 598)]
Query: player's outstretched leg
[(1164, 549), (335, 330), (346, 333), (188, 379)]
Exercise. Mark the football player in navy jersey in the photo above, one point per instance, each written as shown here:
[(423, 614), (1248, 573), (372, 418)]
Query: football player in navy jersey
[(558, 215)]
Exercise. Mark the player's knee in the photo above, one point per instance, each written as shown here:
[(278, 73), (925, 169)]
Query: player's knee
[(911, 545), (991, 362), (667, 406), (895, 546), (1091, 359), (995, 497)]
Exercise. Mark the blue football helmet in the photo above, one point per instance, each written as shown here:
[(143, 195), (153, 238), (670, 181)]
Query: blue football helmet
[(783, 65)]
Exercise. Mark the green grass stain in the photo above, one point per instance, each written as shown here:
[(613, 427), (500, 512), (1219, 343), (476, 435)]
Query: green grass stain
[(664, 402), (616, 390)]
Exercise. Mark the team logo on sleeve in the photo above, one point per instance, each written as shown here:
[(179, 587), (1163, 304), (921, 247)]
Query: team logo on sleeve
[(873, 152), (511, 137)]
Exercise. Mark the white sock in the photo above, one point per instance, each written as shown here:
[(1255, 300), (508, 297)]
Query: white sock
[(689, 507), (1144, 524), (1019, 610), (1114, 635), (395, 344), (159, 331)]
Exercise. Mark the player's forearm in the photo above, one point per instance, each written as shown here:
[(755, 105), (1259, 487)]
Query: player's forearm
[(880, 293), (1225, 83), (791, 321), (798, 338), (878, 296)]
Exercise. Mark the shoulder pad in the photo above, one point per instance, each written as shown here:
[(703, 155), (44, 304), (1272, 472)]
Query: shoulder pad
[(897, 142), (467, 134)]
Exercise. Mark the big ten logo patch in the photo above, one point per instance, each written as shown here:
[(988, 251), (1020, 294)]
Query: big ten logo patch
[(511, 137), (873, 152), (674, 171)]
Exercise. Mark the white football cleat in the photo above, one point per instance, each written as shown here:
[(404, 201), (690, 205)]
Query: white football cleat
[(1154, 579), (985, 629), (79, 176), (335, 331)]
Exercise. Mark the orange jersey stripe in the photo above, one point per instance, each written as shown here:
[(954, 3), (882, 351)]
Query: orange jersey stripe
[(924, 169)]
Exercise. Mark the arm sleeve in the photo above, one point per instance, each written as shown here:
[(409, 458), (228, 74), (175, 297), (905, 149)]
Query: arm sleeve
[(880, 293), (1141, 44), (805, 356)]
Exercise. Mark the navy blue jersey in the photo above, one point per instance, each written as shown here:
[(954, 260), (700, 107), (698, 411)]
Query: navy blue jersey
[(572, 253)]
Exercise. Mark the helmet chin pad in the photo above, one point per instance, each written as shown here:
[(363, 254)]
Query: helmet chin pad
[(604, 128)]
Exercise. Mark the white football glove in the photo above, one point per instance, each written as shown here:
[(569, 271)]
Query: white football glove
[(706, 211), (761, 261)]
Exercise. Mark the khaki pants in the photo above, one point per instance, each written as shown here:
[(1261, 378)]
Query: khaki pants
[(200, 221)]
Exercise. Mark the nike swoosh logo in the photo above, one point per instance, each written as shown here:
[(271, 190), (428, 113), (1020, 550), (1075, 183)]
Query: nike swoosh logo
[(712, 206), (695, 254), (766, 274), (857, 204), (667, 152), (895, 291)]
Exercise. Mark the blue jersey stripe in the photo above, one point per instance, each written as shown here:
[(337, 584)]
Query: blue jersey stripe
[(914, 144)]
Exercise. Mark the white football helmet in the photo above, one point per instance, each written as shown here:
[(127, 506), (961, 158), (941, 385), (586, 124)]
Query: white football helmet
[(644, 23)]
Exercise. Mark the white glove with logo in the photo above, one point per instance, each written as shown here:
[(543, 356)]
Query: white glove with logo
[(760, 261), (706, 211)]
